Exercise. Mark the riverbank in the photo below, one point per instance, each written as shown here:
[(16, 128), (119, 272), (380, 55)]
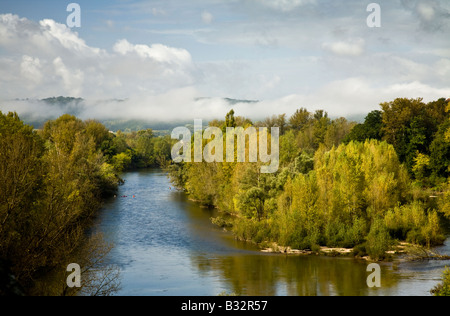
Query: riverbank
[(275, 248), (403, 251)]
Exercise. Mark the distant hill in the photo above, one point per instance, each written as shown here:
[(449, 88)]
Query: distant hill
[(159, 128)]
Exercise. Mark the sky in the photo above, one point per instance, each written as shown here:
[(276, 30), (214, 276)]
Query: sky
[(178, 59)]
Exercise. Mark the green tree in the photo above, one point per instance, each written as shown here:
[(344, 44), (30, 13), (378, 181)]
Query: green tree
[(99, 133), (144, 147), (122, 161), (337, 131), (288, 148), (20, 184), (300, 119), (372, 128), (409, 125), (443, 289), (440, 152), (229, 119), (378, 240), (276, 121), (52, 182), (421, 166), (321, 123)]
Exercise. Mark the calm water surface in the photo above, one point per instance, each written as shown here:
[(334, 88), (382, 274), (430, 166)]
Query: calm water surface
[(166, 245)]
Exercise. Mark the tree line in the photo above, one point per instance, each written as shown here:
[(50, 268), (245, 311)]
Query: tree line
[(340, 184), (52, 182)]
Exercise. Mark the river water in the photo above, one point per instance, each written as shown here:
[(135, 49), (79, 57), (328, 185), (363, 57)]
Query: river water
[(165, 244)]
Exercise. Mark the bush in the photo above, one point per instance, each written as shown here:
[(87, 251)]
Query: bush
[(338, 234), (360, 250), (411, 222), (443, 289), (378, 240)]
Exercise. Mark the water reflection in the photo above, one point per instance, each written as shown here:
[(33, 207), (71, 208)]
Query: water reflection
[(295, 276), (166, 245)]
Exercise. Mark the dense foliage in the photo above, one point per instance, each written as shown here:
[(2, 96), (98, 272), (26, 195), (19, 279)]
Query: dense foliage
[(340, 184), (52, 182)]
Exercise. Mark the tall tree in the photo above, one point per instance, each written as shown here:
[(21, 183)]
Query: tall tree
[(409, 127), (372, 128), (20, 180), (230, 120), (300, 119)]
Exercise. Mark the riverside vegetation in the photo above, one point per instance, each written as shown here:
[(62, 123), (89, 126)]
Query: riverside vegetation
[(340, 184), (52, 182)]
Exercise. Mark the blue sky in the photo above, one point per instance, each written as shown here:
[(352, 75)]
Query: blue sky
[(163, 55)]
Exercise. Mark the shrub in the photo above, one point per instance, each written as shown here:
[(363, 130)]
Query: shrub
[(443, 289), (378, 240)]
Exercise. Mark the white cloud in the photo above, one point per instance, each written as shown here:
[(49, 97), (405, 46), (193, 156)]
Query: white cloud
[(63, 35), (156, 52), (72, 79), (30, 68), (426, 11), (285, 5), (56, 61), (350, 48)]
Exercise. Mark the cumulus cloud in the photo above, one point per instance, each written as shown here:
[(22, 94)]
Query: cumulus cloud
[(72, 79), (157, 52), (30, 68), (61, 63)]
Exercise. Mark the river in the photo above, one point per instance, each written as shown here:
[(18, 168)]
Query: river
[(165, 244)]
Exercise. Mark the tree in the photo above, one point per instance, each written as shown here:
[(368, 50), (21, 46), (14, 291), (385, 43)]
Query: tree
[(372, 128), (440, 152), (409, 127), (337, 131), (378, 240), (229, 119), (122, 161), (421, 166), (447, 134), (276, 121), (99, 133), (300, 119), (51, 183), (288, 148), (252, 203), (162, 150), (20, 183), (321, 123), (144, 146)]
